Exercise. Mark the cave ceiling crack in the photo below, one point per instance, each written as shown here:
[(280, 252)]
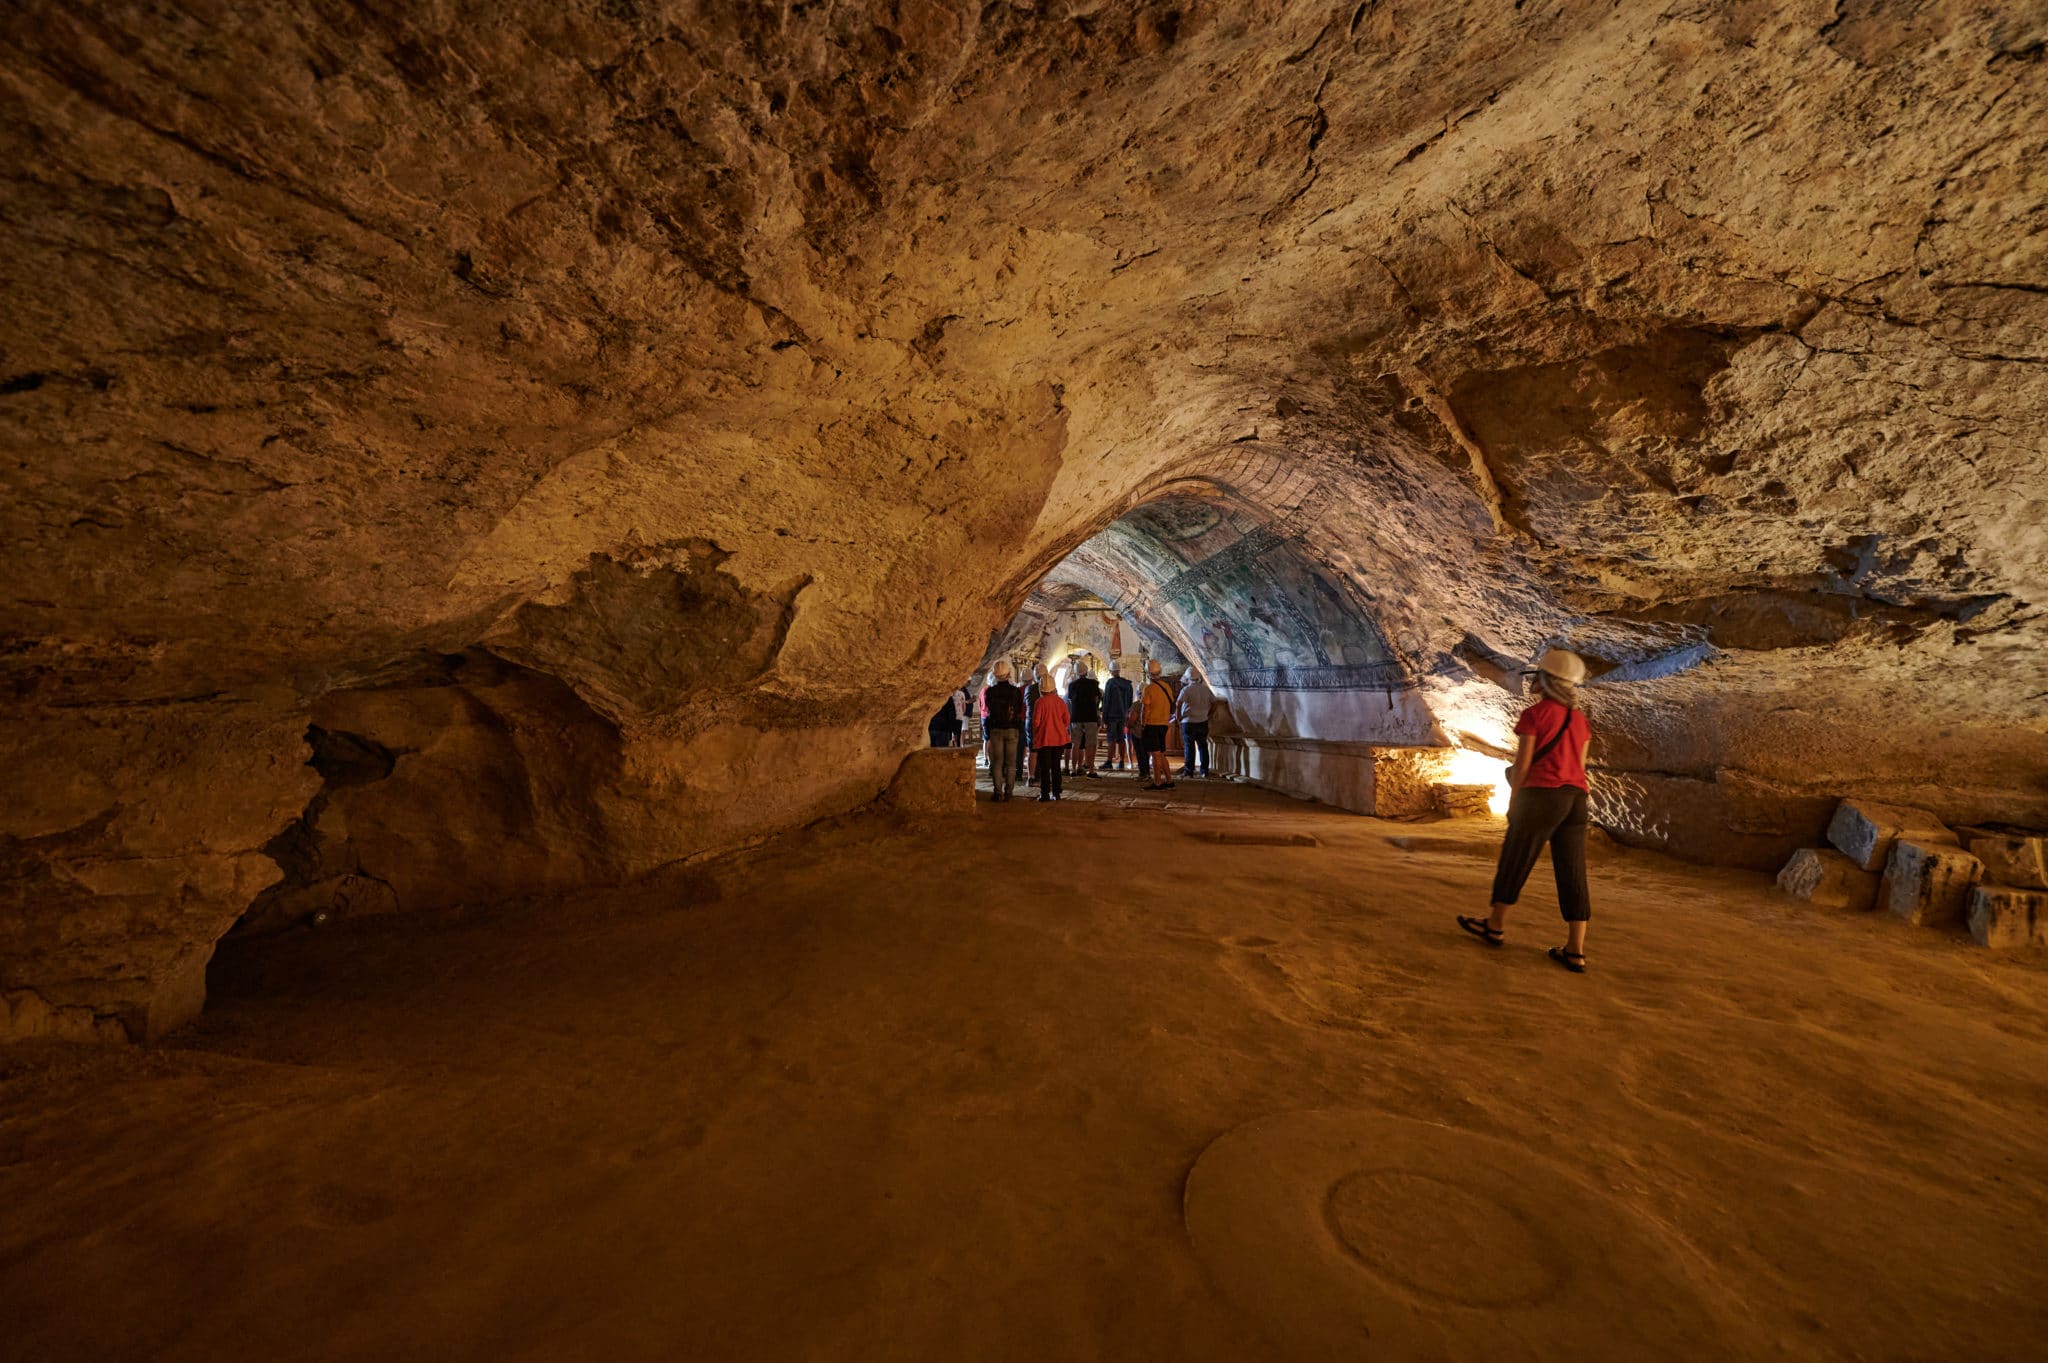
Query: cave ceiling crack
[(1318, 125)]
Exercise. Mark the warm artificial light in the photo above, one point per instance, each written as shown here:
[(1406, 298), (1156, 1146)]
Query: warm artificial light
[(1469, 768)]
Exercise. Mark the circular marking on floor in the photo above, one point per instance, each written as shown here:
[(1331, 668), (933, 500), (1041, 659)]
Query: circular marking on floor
[(1361, 1234), (1422, 1232)]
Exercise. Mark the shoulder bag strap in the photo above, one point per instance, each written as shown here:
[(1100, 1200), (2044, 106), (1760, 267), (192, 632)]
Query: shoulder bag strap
[(1556, 738)]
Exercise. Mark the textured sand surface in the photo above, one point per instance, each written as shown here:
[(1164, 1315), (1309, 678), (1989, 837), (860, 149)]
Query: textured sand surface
[(904, 1098)]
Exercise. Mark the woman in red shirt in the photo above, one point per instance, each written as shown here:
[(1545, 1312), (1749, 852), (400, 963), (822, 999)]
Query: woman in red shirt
[(1548, 806), (1050, 735)]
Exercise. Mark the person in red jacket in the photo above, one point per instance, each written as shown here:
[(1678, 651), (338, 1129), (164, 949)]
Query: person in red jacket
[(1050, 735), (1548, 806)]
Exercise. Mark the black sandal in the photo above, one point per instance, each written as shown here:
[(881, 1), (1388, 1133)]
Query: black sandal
[(1574, 961), (1483, 930)]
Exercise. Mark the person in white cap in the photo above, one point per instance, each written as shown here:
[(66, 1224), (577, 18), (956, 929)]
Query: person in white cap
[(1548, 806), (1005, 706), (1155, 704), (1195, 701)]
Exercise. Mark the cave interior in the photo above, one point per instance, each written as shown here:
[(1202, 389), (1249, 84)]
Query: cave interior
[(494, 492)]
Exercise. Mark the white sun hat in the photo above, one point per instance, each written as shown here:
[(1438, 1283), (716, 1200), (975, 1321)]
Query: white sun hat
[(1563, 665)]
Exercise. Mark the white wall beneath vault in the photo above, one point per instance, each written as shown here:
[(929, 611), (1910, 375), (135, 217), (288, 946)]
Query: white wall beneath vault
[(1400, 718)]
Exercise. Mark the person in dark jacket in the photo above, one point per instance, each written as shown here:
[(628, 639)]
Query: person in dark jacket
[(1084, 700), (1116, 712), (945, 725), (1033, 686), (1005, 732), (1548, 806)]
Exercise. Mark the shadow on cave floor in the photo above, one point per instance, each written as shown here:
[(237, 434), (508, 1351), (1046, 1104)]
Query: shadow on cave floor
[(901, 1093)]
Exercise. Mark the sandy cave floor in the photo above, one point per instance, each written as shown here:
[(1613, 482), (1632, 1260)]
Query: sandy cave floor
[(1059, 1082)]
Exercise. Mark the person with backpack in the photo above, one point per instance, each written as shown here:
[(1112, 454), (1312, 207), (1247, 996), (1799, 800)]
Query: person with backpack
[(1116, 711), (1049, 737), (1084, 702), (1155, 705), (1548, 807), (1005, 706)]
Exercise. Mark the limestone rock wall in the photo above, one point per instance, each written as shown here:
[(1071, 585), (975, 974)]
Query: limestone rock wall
[(129, 842), (1707, 339)]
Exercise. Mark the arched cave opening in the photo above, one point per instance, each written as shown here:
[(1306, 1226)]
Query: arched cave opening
[(1316, 703)]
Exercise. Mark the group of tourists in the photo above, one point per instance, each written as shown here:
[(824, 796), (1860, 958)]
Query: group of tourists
[(1058, 734), (1036, 727)]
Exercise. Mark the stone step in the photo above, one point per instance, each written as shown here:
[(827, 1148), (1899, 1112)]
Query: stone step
[(1928, 883), (2019, 860), (1865, 831), (1821, 875), (2003, 916)]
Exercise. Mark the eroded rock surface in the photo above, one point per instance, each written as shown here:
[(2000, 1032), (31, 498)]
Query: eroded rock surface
[(731, 373)]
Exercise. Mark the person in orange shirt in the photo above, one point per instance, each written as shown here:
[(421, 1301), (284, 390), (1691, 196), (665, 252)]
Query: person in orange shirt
[(1050, 734), (1155, 703)]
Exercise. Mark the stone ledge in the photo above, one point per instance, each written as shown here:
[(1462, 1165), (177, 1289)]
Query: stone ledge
[(934, 781), (1365, 778)]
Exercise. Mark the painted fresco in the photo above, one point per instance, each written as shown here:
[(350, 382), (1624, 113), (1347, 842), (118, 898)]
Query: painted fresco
[(1245, 599), (1059, 626), (1202, 580)]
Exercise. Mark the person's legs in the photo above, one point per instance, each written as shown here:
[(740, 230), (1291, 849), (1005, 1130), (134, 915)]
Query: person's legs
[(1568, 862), (1046, 767), (1157, 764), (1002, 761), (1198, 744), (1059, 763), (1533, 815)]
